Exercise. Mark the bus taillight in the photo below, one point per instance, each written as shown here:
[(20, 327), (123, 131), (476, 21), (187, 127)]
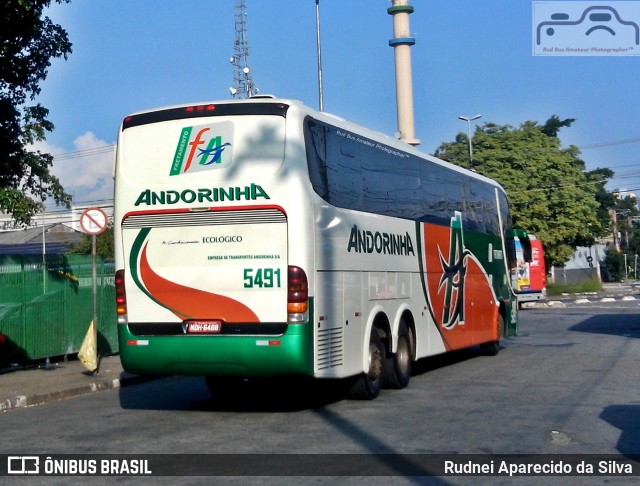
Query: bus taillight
[(298, 295), (121, 298), (197, 108)]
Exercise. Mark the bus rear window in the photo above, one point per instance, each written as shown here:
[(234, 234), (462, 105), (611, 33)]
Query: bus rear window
[(213, 148)]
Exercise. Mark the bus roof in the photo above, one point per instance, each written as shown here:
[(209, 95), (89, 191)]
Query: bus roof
[(172, 112)]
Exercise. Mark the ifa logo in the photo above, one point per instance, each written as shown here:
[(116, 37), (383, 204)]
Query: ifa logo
[(203, 147)]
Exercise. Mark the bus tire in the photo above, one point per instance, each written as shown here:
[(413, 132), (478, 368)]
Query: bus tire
[(492, 348), (368, 385), (397, 366)]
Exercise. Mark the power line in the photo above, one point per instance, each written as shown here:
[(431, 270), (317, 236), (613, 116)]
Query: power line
[(608, 144), (84, 153), (107, 148), (627, 175), (624, 175)]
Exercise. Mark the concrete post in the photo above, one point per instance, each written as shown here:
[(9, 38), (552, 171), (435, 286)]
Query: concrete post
[(401, 43)]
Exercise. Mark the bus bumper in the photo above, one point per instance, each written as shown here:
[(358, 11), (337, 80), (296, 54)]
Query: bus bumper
[(219, 355), (532, 296)]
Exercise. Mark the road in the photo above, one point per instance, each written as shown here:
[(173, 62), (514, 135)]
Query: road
[(567, 384)]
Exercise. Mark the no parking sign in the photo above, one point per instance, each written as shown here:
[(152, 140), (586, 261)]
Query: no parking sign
[(93, 221)]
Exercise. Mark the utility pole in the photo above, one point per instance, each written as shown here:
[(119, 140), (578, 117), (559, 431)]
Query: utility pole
[(320, 94), (469, 119), (616, 236), (401, 43), (243, 86)]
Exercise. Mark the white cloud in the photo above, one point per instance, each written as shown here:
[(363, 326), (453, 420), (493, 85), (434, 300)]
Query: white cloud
[(86, 172)]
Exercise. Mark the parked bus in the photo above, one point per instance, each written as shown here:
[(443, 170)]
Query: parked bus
[(261, 238), (531, 284)]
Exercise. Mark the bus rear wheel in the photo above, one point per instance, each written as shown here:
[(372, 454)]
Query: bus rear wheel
[(397, 366), (368, 385)]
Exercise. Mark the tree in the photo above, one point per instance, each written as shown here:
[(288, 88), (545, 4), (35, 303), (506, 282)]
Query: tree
[(613, 265), (28, 42), (551, 195), (553, 125), (626, 211), (606, 200), (634, 240), (104, 244)]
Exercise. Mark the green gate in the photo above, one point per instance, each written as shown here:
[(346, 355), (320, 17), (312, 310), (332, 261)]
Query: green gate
[(46, 307)]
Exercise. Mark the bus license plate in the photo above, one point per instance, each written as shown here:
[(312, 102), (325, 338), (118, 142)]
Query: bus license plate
[(204, 327)]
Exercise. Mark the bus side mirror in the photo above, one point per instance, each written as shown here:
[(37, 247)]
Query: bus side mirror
[(526, 249), (525, 243)]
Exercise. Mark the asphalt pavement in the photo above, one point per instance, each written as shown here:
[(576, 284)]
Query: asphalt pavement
[(59, 379), (36, 384)]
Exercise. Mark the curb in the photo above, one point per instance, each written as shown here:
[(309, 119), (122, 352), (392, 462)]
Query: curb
[(22, 401), (579, 300)]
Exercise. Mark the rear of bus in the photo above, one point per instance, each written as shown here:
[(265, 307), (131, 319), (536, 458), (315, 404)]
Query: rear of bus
[(538, 269), (532, 275), (207, 280)]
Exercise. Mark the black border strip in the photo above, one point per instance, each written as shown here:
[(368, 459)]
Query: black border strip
[(223, 109), (228, 329), (322, 465)]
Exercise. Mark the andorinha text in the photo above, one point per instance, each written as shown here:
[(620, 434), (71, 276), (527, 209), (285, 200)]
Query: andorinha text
[(205, 195), (363, 241)]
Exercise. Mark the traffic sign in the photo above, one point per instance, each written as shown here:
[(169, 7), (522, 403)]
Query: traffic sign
[(93, 221)]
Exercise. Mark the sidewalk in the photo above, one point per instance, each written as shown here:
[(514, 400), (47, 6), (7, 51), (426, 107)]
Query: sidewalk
[(36, 384), (611, 292), (630, 287)]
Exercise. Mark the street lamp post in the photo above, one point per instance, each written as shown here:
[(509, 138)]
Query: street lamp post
[(469, 119), (319, 49)]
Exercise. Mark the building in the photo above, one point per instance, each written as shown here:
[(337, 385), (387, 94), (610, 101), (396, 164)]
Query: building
[(49, 239)]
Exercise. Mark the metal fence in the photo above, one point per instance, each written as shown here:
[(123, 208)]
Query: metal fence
[(46, 306)]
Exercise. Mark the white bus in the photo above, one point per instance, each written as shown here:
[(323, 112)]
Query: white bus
[(262, 238)]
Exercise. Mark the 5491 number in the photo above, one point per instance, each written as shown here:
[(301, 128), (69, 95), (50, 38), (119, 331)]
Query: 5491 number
[(261, 278)]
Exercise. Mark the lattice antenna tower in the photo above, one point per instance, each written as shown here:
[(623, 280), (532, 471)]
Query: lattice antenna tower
[(243, 86)]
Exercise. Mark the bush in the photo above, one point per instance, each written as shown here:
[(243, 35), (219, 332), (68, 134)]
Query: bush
[(593, 285), (614, 265)]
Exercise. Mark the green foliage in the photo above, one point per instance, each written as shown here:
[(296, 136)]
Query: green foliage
[(104, 245), (606, 200), (551, 195), (633, 245), (28, 42), (592, 285), (614, 265), (554, 124), (626, 232)]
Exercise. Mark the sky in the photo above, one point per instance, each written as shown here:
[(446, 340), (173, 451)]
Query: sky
[(470, 57)]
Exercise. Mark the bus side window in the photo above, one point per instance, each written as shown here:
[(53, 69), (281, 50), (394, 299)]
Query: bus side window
[(316, 146)]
